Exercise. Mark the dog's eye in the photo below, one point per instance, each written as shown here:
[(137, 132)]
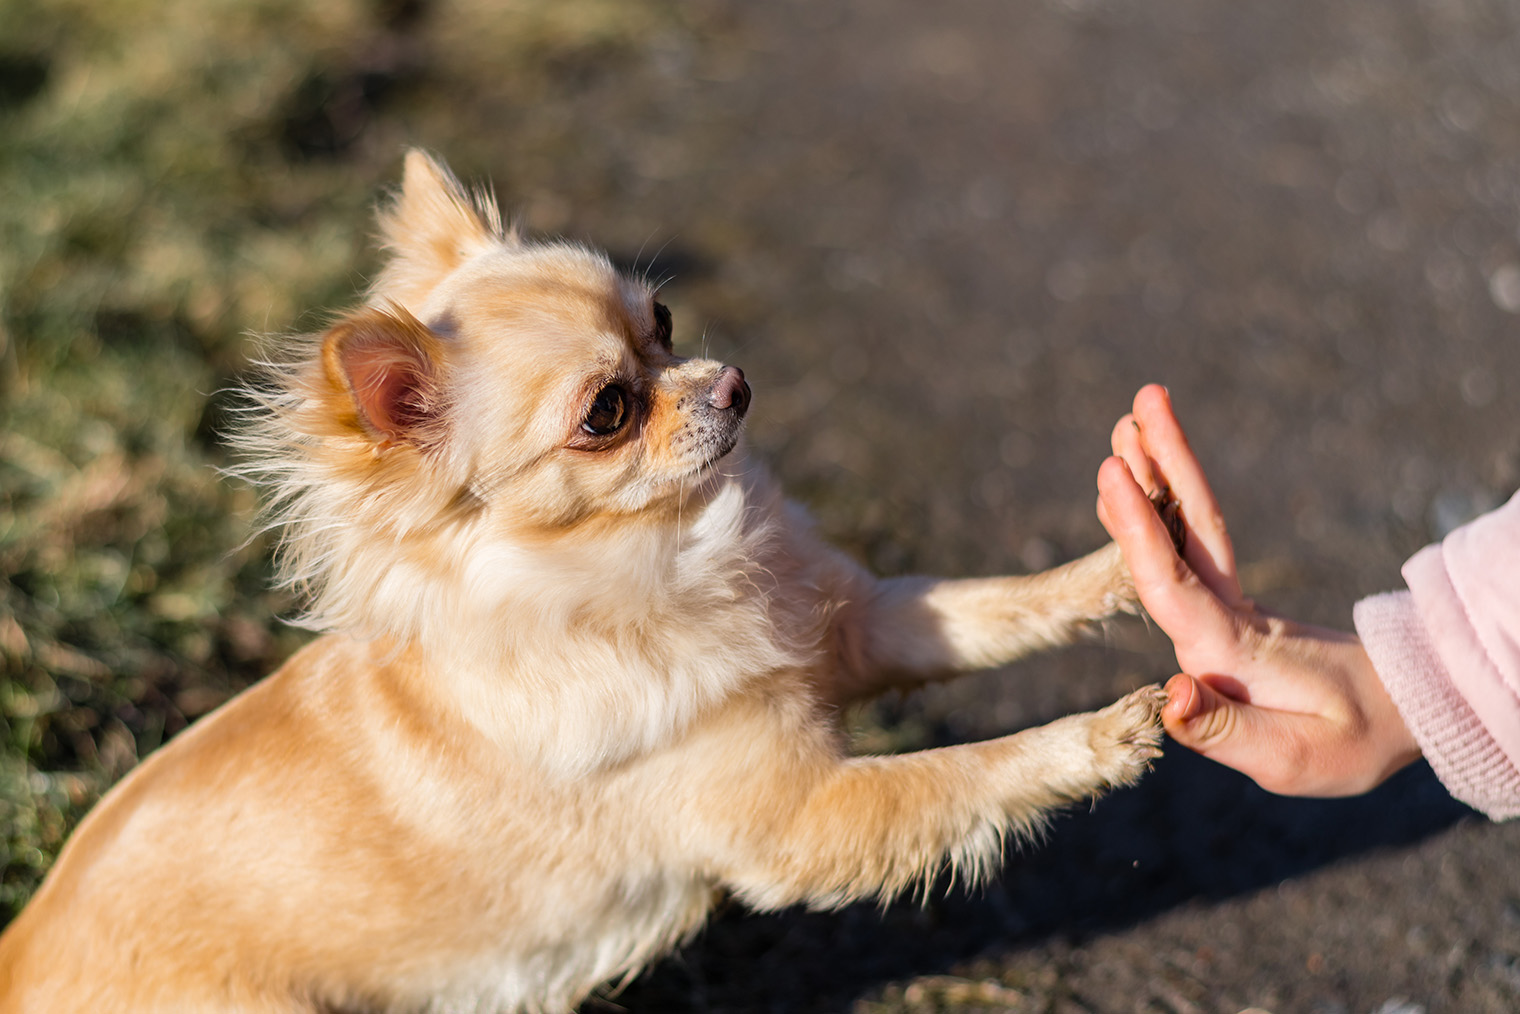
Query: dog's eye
[(608, 412), (662, 324)]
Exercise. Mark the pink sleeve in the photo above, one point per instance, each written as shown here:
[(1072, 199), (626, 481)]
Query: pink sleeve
[(1448, 650)]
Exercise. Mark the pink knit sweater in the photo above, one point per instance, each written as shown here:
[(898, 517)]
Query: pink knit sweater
[(1448, 650)]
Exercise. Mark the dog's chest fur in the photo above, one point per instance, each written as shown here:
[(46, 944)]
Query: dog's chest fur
[(637, 920), (623, 876)]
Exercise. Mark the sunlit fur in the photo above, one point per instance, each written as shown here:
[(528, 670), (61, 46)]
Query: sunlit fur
[(572, 685)]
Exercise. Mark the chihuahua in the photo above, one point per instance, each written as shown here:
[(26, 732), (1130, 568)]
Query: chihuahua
[(581, 674)]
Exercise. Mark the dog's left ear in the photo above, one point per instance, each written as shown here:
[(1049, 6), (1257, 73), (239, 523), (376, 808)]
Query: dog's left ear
[(387, 371), (430, 228)]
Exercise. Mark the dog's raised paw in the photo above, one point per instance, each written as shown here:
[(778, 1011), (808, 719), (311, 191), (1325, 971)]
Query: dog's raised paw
[(1126, 735), (1119, 594)]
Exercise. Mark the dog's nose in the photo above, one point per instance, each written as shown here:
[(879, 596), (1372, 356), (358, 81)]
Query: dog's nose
[(730, 391)]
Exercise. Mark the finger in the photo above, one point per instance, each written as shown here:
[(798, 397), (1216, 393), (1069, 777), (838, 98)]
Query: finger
[(1182, 606), (1200, 717), (1127, 444), (1210, 551), (1212, 723), (1267, 746), (1125, 440)]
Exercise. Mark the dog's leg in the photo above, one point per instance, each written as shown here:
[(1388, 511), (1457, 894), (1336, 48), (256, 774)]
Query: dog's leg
[(913, 629), (874, 826)]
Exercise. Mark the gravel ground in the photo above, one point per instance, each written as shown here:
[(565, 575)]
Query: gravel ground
[(947, 242)]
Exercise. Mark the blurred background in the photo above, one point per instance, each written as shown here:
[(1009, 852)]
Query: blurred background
[(946, 242)]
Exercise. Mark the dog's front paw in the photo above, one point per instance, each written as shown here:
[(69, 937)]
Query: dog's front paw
[(1118, 584), (1126, 736)]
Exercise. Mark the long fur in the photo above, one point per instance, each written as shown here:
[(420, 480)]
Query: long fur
[(580, 670)]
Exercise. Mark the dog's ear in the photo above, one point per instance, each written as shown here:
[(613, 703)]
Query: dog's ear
[(429, 228), (386, 369)]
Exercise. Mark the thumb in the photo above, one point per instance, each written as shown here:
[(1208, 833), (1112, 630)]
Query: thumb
[(1202, 719), (1262, 744)]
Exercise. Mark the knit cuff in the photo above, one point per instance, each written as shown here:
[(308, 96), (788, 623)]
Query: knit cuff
[(1460, 750)]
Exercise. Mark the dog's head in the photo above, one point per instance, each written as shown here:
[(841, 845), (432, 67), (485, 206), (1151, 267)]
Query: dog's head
[(519, 391), (542, 366)]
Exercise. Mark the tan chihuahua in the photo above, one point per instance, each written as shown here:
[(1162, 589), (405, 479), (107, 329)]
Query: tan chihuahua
[(581, 674)]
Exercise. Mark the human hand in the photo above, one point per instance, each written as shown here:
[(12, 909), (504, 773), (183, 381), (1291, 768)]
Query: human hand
[(1298, 709)]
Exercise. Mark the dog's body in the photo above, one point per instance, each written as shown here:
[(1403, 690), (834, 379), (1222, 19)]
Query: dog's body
[(584, 675)]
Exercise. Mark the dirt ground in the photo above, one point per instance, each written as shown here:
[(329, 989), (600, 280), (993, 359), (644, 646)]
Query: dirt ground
[(947, 242)]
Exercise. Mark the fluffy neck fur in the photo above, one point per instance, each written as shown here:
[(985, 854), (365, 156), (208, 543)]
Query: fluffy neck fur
[(662, 615), (585, 652)]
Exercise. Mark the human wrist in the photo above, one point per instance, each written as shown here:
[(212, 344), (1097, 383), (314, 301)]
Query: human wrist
[(1391, 745)]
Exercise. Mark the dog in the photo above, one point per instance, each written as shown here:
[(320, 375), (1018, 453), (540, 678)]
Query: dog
[(580, 676)]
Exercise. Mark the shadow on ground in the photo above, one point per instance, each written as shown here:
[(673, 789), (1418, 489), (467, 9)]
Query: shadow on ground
[(1192, 831)]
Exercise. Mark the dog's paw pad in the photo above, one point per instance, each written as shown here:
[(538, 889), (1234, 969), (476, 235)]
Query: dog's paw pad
[(1170, 510)]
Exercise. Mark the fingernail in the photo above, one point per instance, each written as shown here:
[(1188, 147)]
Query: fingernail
[(1182, 698)]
